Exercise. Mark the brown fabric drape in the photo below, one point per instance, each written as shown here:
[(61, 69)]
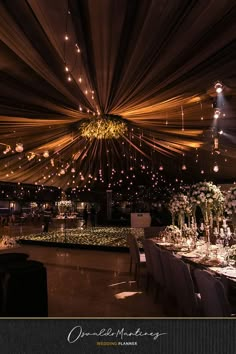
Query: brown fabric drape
[(152, 62)]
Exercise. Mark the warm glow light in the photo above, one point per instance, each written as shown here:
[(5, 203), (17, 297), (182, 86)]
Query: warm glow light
[(216, 168), (66, 37), (105, 127), (161, 168), (184, 167), (125, 294), (46, 154), (19, 147)]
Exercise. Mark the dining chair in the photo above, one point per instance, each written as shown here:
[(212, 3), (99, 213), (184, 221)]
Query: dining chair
[(213, 295), (147, 244), (136, 257), (188, 301), (157, 269)]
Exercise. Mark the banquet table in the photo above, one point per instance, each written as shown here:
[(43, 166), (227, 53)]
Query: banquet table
[(197, 259)]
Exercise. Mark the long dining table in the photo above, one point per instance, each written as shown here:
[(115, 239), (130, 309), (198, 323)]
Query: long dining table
[(211, 257)]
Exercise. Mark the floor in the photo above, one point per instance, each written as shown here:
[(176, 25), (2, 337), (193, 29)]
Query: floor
[(89, 283)]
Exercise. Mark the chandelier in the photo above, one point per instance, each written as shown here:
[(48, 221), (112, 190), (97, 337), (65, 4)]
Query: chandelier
[(103, 127)]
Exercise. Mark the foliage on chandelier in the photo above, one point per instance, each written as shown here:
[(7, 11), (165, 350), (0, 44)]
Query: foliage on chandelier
[(104, 127)]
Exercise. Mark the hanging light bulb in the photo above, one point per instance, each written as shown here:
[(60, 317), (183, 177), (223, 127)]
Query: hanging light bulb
[(46, 154), (216, 167), (62, 172), (66, 68), (66, 37), (19, 147), (221, 132), (218, 87), (8, 148), (217, 113), (31, 156), (73, 170), (161, 168), (184, 168), (69, 78)]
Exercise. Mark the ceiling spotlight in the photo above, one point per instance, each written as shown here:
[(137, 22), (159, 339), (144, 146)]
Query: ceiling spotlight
[(19, 147), (218, 87), (217, 113), (216, 168)]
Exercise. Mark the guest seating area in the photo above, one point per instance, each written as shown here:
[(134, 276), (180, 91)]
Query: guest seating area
[(182, 289)]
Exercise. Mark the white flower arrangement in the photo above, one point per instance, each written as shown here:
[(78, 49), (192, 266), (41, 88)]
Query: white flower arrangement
[(232, 252), (208, 196), (7, 242), (180, 204), (171, 233), (189, 232), (230, 201)]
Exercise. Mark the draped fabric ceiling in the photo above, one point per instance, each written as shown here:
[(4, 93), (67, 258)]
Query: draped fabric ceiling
[(152, 62)]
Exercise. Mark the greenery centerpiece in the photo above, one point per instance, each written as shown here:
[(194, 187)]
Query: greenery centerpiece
[(106, 126)]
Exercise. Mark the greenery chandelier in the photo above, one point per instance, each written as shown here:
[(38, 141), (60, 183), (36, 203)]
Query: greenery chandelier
[(104, 127)]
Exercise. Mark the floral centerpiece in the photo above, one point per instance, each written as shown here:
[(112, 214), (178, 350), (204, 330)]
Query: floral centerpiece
[(171, 233), (230, 202), (232, 253), (179, 205), (209, 198), (7, 242)]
